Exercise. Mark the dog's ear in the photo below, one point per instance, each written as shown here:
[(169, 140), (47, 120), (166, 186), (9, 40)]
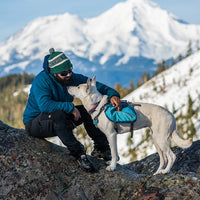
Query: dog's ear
[(94, 81), (88, 85)]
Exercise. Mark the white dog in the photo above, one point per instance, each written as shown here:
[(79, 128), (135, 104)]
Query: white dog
[(160, 121)]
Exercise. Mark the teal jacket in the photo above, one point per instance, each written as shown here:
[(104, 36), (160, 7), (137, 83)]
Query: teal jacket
[(48, 95)]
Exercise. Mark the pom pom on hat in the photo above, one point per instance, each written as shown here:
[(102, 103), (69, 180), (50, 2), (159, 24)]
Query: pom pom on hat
[(51, 50), (58, 62)]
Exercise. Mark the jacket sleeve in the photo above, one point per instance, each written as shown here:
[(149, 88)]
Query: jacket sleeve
[(43, 96), (106, 90)]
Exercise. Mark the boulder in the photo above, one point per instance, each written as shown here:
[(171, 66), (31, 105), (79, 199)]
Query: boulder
[(33, 168)]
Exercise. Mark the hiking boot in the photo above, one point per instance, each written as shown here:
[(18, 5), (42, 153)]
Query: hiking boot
[(85, 163), (105, 154)]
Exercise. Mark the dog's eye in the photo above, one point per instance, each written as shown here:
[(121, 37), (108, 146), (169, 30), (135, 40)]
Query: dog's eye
[(78, 87)]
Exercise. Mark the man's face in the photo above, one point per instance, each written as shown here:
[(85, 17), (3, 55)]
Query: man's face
[(64, 77)]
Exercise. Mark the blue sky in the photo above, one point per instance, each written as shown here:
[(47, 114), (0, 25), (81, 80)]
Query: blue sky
[(15, 14)]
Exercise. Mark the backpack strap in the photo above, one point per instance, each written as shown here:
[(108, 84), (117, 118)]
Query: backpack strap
[(100, 111), (131, 129), (115, 127)]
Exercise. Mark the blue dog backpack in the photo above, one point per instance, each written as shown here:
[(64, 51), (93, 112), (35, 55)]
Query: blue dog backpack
[(126, 115)]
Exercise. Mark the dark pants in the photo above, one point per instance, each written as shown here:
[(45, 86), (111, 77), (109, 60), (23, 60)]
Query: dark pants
[(60, 124)]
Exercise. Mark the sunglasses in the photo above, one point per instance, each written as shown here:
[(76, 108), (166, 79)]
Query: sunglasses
[(66, 72)]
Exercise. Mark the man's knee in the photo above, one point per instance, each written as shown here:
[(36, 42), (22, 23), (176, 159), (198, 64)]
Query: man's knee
[(62, 119)]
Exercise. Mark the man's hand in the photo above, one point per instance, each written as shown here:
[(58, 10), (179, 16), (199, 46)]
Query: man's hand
[(76, 114), (115, 101)]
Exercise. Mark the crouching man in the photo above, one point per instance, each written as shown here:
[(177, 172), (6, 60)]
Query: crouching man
[(50, 112)]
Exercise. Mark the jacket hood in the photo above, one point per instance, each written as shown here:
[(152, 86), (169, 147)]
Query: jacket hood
[(46, 65)]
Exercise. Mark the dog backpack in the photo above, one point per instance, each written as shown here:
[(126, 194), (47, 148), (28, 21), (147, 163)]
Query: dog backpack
[(126, 115)]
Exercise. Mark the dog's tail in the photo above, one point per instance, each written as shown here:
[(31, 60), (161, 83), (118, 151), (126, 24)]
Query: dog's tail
[(181, 142)]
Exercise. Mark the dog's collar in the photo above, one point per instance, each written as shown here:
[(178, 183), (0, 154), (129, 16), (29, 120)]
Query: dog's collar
[(98, 108), (94, 107), (98, 105)]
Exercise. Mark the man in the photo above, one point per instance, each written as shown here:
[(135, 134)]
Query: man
[(50, 112)]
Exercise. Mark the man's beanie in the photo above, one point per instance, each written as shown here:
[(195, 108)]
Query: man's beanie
[(58, 62)]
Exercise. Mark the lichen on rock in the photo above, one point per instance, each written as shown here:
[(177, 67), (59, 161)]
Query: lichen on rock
[(33, 168)]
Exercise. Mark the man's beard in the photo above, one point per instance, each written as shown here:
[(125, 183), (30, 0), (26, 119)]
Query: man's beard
[(65, 81)]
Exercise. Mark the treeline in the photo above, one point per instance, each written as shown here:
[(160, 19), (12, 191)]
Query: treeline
[(15, 80), (13, 98)]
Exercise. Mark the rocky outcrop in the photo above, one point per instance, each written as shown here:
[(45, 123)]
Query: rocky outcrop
[(32, 168)]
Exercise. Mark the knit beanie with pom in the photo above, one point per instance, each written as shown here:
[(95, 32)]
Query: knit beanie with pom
[(58, 62)]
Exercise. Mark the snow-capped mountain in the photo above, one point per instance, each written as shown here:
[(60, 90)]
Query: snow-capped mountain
[(117, 46), (168, 89)]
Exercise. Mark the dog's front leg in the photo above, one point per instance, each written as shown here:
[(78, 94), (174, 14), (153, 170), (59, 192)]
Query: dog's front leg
[(112, 139)]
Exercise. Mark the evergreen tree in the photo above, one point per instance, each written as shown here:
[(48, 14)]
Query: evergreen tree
[(139, 83), (189, 50), (180, 57), (198, 46), (173, 62), (191, 131), (132, 87), (173, 109), (190, 111)]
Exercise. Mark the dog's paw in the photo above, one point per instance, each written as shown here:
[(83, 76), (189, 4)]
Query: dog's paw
[(156, 173), (110, 168), (108, 162), (161, 171)]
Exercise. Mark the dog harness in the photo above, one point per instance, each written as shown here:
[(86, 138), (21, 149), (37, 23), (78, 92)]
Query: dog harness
[(126, 115), (99, 106)]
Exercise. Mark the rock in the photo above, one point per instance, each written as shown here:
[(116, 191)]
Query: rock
[(33, 168)]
